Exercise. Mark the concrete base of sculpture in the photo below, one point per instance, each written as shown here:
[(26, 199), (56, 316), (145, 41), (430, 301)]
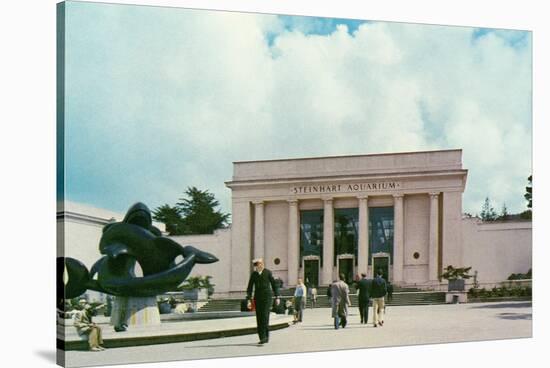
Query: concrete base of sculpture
[(135, 311), (187, 327), (456, 297)]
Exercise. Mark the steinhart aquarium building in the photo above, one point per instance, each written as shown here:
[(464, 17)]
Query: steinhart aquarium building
[(314, 218)]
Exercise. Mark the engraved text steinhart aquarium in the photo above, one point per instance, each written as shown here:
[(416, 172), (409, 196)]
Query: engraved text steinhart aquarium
[(345, 188)]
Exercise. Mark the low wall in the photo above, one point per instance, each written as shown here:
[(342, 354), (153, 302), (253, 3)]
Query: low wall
[(219, 244), (496, 249), (507, 284)]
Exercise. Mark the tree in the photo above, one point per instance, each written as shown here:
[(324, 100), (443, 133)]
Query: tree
[(529, 197), (195, 214), (529, 192), (487, 211), (199, 214), (504, 212), (171, 217)]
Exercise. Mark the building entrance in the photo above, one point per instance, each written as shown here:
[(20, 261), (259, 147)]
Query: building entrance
[(311, 272), (381, 263), (345, 266)]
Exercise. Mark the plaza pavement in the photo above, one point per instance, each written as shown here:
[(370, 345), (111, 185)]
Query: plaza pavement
[(405, 325)]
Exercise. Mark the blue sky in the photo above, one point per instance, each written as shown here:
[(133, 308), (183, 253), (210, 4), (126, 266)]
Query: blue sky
[(159, 99)]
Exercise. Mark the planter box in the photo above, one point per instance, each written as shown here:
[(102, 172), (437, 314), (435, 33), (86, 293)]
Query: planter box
[(456, 297), (456, 285), (164, 308), (195, 294)]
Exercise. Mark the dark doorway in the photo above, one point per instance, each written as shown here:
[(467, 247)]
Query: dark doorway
[(311, 273), (381, 222), (381, 263), (345, 266)]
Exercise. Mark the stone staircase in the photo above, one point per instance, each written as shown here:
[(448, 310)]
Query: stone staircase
[(417, 298), (397, 289), (219, 305), (401, 297)]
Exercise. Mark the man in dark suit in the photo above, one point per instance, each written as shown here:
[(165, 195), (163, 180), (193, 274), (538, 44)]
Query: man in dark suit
[(363, 286), (262, 281)]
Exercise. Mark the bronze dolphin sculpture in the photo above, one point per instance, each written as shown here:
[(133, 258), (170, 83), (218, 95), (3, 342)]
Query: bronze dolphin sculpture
[(124, 243)]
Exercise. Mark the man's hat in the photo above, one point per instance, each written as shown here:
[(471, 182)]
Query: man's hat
[(257, 260)]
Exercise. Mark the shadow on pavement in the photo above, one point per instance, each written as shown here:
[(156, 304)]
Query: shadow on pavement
[(330, 327), (515, 316), (221, 345), (505, 305)]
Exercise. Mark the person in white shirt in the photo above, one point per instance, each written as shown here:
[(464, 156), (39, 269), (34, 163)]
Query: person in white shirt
[(299, 301)]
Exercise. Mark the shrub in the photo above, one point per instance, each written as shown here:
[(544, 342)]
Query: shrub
[(452, 273), (499, 292), (521, 276), (199, 282)]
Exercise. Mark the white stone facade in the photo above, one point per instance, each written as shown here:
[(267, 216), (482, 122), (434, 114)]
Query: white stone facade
[(424, 188)]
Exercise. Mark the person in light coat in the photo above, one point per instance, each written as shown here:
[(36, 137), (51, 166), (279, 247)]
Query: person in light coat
[(313, 297), (340, 302)]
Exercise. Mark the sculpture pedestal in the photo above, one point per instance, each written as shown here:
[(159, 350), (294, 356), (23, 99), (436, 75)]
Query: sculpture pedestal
[(135, 311), (456, 297)]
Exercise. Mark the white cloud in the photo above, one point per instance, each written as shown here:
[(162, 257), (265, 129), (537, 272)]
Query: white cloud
[(201, 90)]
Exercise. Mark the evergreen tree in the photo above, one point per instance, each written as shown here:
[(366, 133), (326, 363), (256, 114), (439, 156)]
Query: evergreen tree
[(527, 214), (171, 217), (504, 212), (195, 214), (487, 211), (529, 192), (199, 214)]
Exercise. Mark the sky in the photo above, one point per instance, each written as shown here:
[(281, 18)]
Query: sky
[(160, 99)]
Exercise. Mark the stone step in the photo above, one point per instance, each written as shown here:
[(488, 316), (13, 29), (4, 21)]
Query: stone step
[(322, 290), (399, 298), (397, 289)]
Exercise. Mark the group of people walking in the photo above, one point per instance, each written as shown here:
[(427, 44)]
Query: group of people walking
[(261, 285), (375, 289)]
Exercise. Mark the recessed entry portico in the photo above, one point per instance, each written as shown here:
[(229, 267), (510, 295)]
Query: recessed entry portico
[(346, 230), (351, 214)]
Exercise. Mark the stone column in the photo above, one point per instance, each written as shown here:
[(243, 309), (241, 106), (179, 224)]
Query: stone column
[(328, 241), (434, 232), (242, 243), (363, 246), (293, 242), (398, 233), (259, 229)]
